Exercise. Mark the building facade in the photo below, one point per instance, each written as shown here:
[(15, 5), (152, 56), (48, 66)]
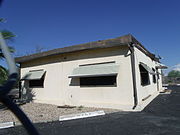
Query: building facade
[(115, 73)]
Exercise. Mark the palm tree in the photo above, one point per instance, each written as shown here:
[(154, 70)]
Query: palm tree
[(8, 36), (3, 75)]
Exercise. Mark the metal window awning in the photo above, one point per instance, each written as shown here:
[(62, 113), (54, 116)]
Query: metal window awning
[(33, 75), (95, 70), (148, 68), (161, 66)]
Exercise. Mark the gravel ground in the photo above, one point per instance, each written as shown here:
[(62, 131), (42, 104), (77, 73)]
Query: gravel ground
[(160, 117), (46, 113)]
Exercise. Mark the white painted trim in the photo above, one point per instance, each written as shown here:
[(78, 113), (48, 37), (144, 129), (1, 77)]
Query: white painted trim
[(81, 115), (6, 125)]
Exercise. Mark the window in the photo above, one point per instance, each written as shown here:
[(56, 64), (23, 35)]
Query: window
[(36, 83), (154, 76), (144, 75), (94, 75), (157, 72), (98, 81), (35, 78)]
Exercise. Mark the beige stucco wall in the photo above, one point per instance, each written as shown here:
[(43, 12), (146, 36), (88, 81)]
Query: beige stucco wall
[(59, 89), (148, 91)]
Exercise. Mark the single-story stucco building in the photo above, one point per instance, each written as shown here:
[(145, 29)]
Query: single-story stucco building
[(117, 73)]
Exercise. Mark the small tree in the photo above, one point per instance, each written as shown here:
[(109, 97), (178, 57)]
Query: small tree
[(174, 73)]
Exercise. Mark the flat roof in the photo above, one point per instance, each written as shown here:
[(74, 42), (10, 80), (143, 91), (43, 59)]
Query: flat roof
[(119, 41)]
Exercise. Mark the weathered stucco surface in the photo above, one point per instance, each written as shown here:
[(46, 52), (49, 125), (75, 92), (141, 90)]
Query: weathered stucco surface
[(61, 90), (151, 90)]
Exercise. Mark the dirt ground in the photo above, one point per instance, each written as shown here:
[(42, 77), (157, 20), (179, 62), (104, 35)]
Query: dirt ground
[(160, 117)]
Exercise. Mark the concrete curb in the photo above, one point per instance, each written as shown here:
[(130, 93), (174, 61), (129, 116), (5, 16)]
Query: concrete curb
[(6, 125), (81, 115)]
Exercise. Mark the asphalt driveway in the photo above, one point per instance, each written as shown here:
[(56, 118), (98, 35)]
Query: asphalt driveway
[(160, 117)]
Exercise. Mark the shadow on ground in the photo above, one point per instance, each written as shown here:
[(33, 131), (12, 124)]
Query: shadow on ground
[(2, 107), (160, 117)]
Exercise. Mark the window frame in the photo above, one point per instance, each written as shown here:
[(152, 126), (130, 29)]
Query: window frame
[(112, 81), (154, 76), (36, 85), (143, 74)]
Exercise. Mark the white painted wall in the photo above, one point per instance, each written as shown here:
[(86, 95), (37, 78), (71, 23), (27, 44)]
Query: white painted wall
[(152, 89), (57, 88), (52, 83)]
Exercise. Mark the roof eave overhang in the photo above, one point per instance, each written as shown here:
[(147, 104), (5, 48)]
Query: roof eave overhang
[(63, 51), (120, 41)]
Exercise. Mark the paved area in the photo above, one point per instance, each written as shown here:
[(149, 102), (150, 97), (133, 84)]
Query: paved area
[(160, 117)]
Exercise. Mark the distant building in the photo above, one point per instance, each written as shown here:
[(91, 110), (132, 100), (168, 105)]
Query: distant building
[(117, 73)]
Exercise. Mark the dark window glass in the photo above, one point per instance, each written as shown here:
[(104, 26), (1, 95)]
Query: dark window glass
[(98, 81), (36, 83), (144, 76), (154, 76), (158, 77)]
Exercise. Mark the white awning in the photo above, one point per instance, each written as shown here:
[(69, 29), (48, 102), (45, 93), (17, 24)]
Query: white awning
[(147, 68), (33, 75), (107, 69)]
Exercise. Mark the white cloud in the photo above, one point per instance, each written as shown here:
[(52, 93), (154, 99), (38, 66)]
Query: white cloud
[(175, 67)]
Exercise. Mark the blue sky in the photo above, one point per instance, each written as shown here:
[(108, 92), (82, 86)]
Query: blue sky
[(58, 23)]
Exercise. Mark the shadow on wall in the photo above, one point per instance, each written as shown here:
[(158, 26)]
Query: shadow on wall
[(74, 82), (27, 94)]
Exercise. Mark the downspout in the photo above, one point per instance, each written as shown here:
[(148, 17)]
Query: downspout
[(20, 92), (131, 48), (157, 78)]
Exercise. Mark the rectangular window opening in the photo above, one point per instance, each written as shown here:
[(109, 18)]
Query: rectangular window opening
[(154, 76), (144, 75), (39, 83), (98, 81)]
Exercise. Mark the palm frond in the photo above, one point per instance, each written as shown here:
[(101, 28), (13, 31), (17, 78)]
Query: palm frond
[(3, 74), (7, 35), (11, 49)]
